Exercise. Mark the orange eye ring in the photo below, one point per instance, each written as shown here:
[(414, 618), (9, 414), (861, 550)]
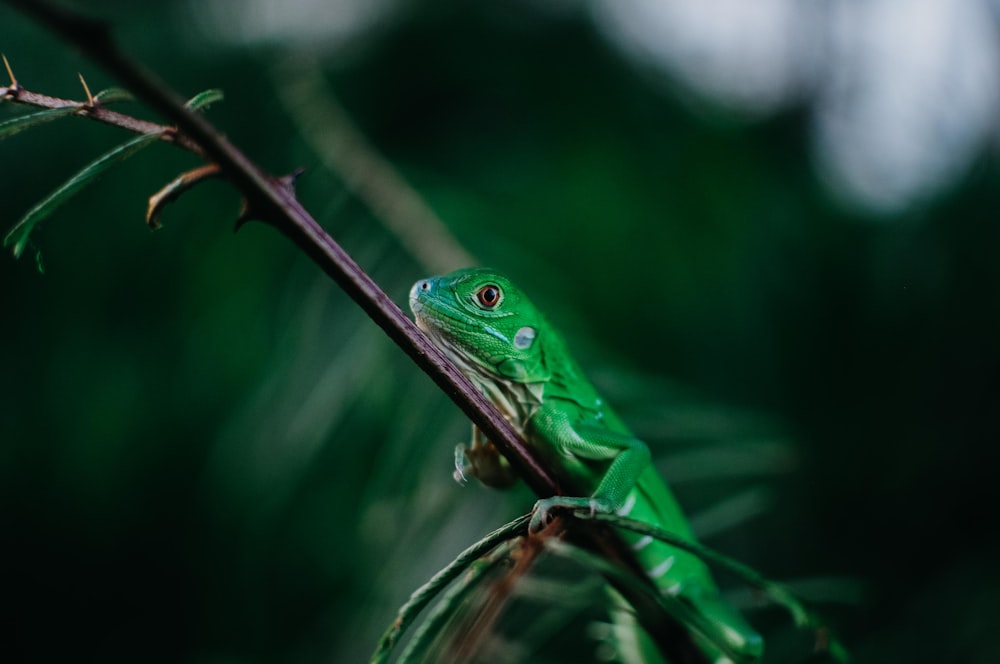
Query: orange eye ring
[(488, 296)]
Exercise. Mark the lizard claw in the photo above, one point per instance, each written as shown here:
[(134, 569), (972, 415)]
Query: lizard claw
[(541, 515), (461, 465)]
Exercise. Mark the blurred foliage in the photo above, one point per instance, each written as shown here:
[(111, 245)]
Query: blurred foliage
[(209, 455)]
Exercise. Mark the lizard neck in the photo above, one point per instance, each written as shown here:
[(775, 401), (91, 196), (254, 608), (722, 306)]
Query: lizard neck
[(517, 402)]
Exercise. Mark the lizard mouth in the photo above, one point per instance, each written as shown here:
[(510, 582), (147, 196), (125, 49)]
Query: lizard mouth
[(433, 317), (429, 312), (417, 304)]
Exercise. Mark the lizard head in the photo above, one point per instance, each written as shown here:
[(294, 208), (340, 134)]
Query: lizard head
[(482, 322)]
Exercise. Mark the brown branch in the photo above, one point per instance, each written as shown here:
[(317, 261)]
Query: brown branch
[(273, 201), (93, 110)]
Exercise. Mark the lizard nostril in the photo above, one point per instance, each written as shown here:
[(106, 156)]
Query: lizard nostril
[(425, 285)]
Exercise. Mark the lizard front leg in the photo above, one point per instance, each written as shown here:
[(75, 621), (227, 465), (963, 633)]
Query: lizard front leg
[(483, 461), (627, 457)]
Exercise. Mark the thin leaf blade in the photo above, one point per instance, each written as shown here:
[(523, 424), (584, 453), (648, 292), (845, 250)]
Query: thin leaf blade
[(204, 98), (422, 596), (22, 122), (18, 237), (113, 96)]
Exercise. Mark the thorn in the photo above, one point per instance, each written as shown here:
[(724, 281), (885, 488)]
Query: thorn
[(246, 214), (287, 182), (13, 87), (10, 72), (90, 98), (249, 211)]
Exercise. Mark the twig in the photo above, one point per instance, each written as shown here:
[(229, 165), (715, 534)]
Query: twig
[(92, 110)]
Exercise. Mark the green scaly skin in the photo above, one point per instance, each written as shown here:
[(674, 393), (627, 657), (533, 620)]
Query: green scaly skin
[(506, 348)]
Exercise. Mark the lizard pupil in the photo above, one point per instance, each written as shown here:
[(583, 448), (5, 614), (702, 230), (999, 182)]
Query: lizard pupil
[(488, 296)]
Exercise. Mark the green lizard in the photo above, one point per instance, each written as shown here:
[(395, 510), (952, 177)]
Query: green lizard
[(506, 348)]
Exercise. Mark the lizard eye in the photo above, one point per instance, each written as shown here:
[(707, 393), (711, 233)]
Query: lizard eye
[(488, 296)]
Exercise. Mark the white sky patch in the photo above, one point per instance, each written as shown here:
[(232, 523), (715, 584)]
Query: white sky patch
[(910, 98), (905, 93), (747, 55)]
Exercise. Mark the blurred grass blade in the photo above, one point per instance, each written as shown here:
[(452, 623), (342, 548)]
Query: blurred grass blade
[(19, 235), (203, 99), (730, 459), (776, 592), (113, 96), (732, 511), (423, 595), (22, 122), (845, 590), (451, 602), (616, 574)]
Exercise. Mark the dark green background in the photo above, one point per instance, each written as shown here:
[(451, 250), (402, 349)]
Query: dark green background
[(207, 454)]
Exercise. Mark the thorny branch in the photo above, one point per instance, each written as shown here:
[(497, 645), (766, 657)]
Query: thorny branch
[(272, 200), (92, 109)]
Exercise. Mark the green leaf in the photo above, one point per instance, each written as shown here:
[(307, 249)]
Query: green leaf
[(19, 235), (22, 122), (203, 99), (451, 602), (422, 596), (113, 95)]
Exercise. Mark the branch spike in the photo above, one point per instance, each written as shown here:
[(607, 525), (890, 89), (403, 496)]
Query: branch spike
[(249, 212), (12, 90), (10, 72), (90, 98), (246, 214)]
